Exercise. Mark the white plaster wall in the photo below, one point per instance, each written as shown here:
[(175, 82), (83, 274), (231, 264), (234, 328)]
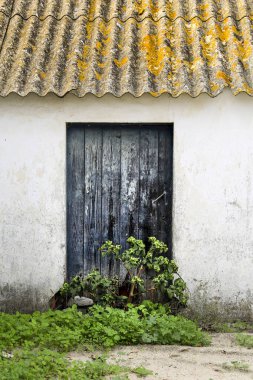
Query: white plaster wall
[(213, 189)]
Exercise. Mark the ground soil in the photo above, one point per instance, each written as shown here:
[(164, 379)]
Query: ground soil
[(190, 363)]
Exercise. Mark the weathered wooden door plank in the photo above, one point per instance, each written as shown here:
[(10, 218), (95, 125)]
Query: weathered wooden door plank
[(92, 204), (149, 189), (75, 200), (129, 184), (165, 178), (111, 188)]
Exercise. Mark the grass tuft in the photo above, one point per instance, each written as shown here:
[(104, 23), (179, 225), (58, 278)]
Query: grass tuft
[(245, 340), (236, 366)]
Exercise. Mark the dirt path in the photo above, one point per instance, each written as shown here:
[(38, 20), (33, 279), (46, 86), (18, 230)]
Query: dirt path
[(173, 362)]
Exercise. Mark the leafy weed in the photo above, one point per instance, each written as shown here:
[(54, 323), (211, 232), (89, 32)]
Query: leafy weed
[(46, 364), (102, 327), (142, 372)]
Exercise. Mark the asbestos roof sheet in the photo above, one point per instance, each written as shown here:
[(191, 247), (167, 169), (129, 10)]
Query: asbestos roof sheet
[(121, 46), (125, 9)]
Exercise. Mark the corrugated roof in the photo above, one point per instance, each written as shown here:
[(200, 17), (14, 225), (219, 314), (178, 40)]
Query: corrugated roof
[(120, 46), (3, 26), (124, 9)]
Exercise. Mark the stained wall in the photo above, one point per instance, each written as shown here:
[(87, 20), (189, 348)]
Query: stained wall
[(212, 201)]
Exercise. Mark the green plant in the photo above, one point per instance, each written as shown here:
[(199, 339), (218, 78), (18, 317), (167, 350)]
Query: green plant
[(239, 326), (140, 261), (245, 340), (97, 369), (46, 364), (101, 327), (103, 290), (164, 282), (149, 308), (142, 372), (32, 365), (231, 327), (236, 366)]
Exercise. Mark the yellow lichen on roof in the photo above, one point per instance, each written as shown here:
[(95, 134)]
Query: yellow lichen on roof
[(135, 46)]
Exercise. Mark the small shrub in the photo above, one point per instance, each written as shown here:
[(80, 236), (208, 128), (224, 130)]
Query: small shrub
[(140, 261)]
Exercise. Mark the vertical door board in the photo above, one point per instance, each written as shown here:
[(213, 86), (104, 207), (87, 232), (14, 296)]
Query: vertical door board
[(149, 188), (75, 200), (129, 183), (93, 193), (165, 184), (111, 188)]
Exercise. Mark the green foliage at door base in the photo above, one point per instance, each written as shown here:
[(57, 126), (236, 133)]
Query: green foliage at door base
[(103, 327), (141, 262)]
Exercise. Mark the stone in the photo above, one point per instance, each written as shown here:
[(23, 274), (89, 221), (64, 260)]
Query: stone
[(83, 301)]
